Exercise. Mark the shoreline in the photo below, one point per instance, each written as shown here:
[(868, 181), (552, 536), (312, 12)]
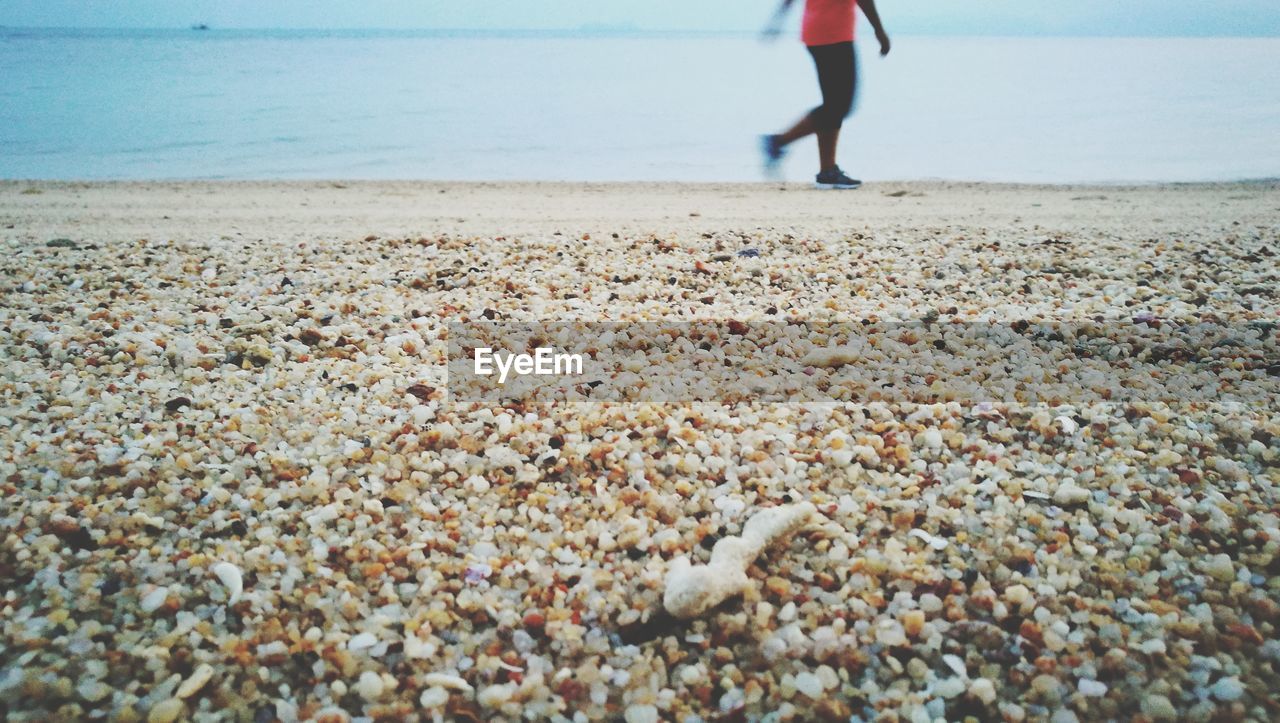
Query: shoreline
[(351, 209)]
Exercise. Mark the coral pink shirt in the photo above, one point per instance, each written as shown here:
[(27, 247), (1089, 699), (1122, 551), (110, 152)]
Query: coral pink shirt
[(828, 21)]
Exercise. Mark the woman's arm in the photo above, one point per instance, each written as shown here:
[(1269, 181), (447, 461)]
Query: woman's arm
[(774, 28), (873, 17)]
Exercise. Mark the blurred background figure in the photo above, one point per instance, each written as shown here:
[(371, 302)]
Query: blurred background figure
[(827, 30)]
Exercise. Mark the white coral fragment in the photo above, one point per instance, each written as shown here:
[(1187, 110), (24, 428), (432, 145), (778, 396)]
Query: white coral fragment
[(691, 590)]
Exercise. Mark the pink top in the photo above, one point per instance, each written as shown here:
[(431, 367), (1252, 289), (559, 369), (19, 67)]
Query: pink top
[(828, 21)]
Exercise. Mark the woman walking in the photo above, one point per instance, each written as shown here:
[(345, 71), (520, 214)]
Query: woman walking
[(827, 30)]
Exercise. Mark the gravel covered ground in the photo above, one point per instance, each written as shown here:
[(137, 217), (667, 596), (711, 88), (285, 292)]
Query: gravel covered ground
[(232, 487)]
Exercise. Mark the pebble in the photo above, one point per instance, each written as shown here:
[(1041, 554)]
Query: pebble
[(641, 713), (1017, 594), (891, 633), (1069, 493), (937, 543), (956, 664), (154, 599), (949, 687), (166, 711), (197, 680), (1153, 646), (1046, 685), (913, 622), (495, 696), (1158, 707), (447, 681), (808, 684), (433, 697), (1091, 688), (1227, 689), (1220, 567), (369, 686), (93, 691), (984, 690)]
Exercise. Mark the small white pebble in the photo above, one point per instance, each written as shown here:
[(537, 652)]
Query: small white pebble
[(984, 690), (641, 713), (956, 664), (807, 684), (93, 690), (1091, 688), (369, 686), (154, 599), (1154, 646), (495, 695), (434, 697), (690, 675), (445, 680), (949, 687), (891, 633), (1069, 493)]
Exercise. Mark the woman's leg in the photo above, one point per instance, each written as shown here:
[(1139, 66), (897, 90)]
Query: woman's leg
[(836, 78)]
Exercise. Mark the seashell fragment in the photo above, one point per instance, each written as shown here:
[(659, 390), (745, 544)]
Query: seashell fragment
[(230, 577)]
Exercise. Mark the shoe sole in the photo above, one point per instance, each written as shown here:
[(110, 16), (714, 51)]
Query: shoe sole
[(837, 186)]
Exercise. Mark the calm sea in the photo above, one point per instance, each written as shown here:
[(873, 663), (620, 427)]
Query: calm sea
[(224, 104)]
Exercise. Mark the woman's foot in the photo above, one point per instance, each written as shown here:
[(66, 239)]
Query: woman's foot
[(835, 179), (771, 147)]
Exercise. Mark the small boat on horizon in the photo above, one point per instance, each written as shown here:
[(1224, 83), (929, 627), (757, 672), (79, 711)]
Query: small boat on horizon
[(200, 26)]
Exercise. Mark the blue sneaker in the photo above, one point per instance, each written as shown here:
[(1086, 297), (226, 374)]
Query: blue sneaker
[(835, 179), (773, 153)]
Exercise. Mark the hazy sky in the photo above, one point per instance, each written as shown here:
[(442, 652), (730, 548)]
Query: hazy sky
[(994, 17)]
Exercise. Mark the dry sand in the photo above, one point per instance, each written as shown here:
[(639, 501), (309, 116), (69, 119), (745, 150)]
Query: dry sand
[(233, 488)]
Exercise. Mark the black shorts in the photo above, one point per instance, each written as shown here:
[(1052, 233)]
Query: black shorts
[(837, 66)]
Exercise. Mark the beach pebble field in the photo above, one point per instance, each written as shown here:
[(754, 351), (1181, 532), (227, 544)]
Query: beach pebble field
[(233, 485)]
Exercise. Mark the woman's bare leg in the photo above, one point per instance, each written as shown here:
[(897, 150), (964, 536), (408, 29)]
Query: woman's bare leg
[(827, 140), (802, 128)]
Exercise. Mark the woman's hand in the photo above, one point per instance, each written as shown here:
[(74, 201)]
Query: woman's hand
[(774, 28), (883, 37)]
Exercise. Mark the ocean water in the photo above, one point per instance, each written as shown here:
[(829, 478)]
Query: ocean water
[(231, 104)]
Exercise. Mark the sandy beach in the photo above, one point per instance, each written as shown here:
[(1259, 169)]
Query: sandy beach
[(234, 487)]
